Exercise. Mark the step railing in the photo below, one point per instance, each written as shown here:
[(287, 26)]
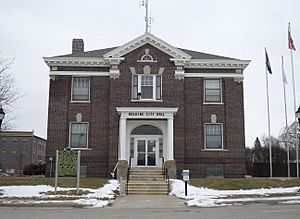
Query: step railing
[(113, 173), (128, 173), (166, 174)]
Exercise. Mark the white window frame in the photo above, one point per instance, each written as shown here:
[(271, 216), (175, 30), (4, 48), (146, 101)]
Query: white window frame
[(87, 136), (222, 137), (154, 79), (72, 90), (204, 91)]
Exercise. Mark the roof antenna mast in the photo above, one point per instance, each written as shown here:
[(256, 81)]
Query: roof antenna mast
[(148, 18)]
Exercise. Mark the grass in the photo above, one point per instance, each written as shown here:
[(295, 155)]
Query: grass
[(233, 184), (62, 182), (69, 192)]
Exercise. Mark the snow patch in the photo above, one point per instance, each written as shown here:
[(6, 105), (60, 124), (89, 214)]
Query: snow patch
[(93, 199), (204, 197)]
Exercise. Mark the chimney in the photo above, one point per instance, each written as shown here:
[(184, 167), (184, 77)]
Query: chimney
[(77, 45)]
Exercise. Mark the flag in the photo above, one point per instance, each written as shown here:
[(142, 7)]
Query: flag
[(284, 79), (268, 65), (290, 39)]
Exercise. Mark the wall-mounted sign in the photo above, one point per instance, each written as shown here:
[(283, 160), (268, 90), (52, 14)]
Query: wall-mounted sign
[(146, 114)]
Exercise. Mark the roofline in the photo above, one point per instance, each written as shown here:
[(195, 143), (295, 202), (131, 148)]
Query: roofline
[(142, 40), (21, 134)]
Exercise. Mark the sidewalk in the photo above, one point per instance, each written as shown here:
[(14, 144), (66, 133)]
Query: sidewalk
[(148, 201)]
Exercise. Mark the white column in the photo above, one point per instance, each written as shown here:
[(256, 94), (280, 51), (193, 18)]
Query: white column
[(122, 139), (170, 140)]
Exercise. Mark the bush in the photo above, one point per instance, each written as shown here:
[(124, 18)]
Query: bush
[(34, 169)]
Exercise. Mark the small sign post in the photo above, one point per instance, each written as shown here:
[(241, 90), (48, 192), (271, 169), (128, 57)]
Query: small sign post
[(78, 171), (56, 170), (186, 177), (67, 164)]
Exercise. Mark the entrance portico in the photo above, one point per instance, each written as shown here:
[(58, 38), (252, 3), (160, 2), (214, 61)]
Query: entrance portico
[(146, 135)]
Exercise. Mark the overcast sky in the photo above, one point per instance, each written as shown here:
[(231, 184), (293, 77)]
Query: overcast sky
[(33, 29)]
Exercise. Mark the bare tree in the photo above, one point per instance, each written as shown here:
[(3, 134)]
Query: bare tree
[(9, 93)]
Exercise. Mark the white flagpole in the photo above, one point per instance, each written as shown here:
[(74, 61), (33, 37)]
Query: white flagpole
[(295, 109), (269, 123), (286, 120)]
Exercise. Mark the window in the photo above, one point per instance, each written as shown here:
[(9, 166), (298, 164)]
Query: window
[(146, 87), (214, 169), (213, 91), (81, 89), (213, 136), (147, 57), (78, 135)]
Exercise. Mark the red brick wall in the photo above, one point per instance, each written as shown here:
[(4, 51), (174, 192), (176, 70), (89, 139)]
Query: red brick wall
[(187, 95)]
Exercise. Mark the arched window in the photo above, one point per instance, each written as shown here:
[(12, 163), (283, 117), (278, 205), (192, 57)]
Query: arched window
[(146, 130), (147, 57)]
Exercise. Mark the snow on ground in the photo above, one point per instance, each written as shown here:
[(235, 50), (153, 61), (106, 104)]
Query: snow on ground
[(92, 199), (204, 197)]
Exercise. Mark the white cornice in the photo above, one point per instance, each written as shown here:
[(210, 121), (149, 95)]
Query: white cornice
[(213, 75), (76, 61), (79, 73), (144, 39), (218, 63)]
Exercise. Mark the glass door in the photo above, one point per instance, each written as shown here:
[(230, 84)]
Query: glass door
[(146, 151), (141, 152), (151, 152)]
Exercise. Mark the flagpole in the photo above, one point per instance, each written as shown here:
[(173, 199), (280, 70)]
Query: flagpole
[(269, 125), (286, 120), (295, 108), (292, 47)]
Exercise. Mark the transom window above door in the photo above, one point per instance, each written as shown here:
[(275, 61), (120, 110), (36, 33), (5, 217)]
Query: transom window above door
[(146, 87)]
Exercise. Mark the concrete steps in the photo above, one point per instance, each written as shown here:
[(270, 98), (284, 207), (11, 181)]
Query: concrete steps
[(144, 181)]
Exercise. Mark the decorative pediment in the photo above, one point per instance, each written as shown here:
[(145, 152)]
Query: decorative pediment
[(148, 38)]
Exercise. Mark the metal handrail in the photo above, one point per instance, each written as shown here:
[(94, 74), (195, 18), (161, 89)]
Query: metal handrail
[(166, 172), (128, 171), (113, 173), (163, 163)]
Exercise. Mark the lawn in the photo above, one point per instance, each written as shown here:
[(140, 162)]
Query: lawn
[(62, 182), (252, 183)]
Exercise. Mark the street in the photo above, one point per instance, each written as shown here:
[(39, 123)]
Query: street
[(250, 211)]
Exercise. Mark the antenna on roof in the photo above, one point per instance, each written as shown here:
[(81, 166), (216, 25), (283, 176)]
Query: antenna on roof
[(148, 19)]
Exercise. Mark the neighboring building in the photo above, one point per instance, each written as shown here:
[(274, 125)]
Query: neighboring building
[(147, 102), (20, 148)]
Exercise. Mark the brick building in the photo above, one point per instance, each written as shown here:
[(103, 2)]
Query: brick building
[(20, 148), (145, 103)]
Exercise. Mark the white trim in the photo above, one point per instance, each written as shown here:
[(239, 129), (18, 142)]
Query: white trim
[(213, 75), (215, 150), (213, 103), (218, 63), (222, 133), (221, 91), (87, 135), (144, 39), (76, 101), (146, 112), (76, 61), (79, 73)]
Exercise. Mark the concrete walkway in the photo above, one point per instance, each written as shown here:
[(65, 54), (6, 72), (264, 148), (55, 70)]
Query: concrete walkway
[(148, 201)]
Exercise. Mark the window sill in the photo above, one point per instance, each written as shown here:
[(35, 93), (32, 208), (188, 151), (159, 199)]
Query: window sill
[(214, 150), (213, 103), (75, 101), (81, 149), (146, 101), (153, 61)]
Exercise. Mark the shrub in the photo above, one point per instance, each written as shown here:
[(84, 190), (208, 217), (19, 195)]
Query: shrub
[(34, 169)]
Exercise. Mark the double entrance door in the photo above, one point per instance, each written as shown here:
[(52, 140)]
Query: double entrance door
[(146, 151)]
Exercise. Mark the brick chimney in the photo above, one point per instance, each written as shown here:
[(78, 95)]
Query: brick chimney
[(77, 45)]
